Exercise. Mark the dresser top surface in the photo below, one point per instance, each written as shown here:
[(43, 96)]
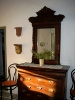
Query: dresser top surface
[(27, 65)]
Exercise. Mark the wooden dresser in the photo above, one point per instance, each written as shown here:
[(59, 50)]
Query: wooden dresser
[(42, 83)]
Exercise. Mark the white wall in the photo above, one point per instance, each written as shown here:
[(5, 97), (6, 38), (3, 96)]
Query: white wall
[(15, 13)]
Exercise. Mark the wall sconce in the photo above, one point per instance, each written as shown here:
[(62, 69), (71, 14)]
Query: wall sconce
[(18, 31), (18, 48)]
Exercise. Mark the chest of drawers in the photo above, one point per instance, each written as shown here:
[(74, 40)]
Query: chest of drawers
[(37, 83)]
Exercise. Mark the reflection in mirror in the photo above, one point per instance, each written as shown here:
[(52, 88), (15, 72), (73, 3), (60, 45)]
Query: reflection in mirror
[(46, 40)]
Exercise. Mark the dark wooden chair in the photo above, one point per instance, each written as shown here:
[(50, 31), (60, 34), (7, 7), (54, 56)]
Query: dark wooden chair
[(72, 90), (11, 82)]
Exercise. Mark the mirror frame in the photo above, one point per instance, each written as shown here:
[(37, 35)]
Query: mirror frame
[(46, 19)]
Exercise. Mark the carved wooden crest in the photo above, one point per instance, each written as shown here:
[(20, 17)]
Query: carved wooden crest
[(46, 15)]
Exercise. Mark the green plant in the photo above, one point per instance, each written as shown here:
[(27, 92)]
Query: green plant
[(42, 55)]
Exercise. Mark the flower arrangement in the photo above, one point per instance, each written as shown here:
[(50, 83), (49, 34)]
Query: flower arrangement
[(42, 55)]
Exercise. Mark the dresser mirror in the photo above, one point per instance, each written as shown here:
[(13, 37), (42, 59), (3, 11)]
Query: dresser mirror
[(46, 34)]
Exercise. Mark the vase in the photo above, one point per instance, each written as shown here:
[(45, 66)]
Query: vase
[(41, 62)]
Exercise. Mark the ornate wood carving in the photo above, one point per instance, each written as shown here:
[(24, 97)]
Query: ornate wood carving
[(46, 15)]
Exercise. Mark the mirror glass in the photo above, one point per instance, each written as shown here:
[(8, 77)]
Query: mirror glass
[(46, 40)]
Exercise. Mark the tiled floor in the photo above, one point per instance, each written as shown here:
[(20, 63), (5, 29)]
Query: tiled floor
[(6, 96)]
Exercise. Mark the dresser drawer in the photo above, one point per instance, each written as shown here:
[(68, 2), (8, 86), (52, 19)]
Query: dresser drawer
[(28, 83), (49, 91), (25, 94), (42, 80), (30, 95)]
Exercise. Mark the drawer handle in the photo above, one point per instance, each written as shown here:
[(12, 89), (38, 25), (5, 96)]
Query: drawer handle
[(39, 79), (28, 94), (21, 79), (50, 98), (39, 88), (23, 90), (29, 87), (38, 95), (51, 81), (51, 90), (28, 79)]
